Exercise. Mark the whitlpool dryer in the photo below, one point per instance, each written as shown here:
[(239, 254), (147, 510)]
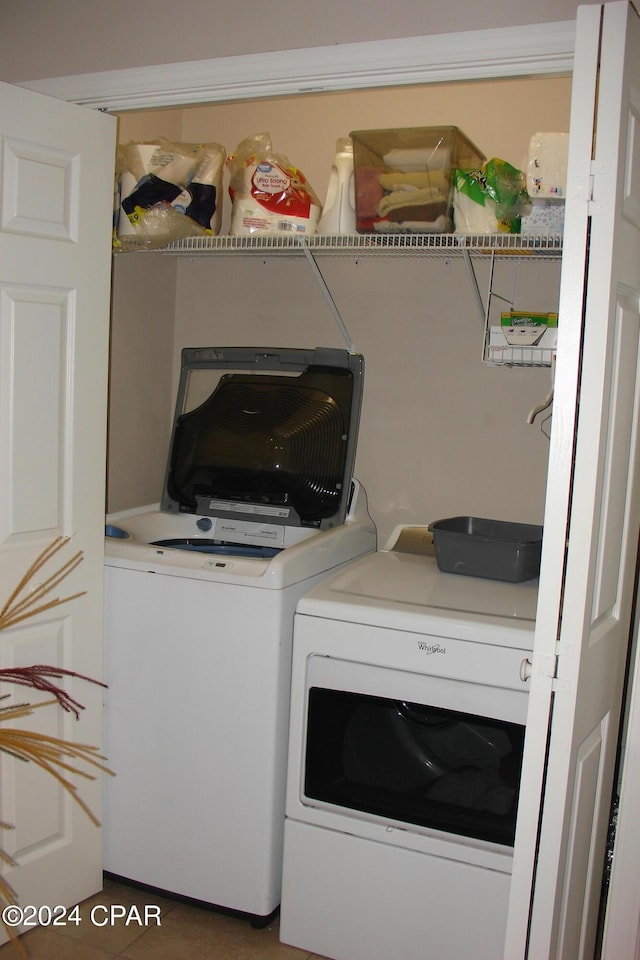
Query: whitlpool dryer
[(259, 505), (408, 712)]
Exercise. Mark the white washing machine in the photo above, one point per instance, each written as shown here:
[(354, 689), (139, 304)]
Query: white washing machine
[(408, 712), (259, 505)]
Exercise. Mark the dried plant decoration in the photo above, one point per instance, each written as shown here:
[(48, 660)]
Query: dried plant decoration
[(22, 604), (57, 757), (49, 752), (40, 676)]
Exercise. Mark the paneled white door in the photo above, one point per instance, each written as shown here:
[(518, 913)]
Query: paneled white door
[(592, 519), (56, 174)]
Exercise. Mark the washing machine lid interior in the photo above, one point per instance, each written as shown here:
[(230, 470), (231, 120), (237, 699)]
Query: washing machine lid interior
[(265, 434)]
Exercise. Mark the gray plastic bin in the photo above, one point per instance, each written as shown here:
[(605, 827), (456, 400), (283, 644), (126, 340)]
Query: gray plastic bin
[(494, 549)]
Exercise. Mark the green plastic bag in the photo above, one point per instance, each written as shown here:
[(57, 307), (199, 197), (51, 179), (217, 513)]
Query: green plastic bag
[(491, 199)]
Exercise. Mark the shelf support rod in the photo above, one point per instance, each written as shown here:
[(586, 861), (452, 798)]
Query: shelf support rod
[(475, 289), (326, 293)]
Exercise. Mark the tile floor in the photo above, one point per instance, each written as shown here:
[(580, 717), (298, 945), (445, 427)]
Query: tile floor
[(185, 932)]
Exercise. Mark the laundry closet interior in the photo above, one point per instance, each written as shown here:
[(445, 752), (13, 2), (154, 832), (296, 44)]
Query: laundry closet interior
[(442, 432)]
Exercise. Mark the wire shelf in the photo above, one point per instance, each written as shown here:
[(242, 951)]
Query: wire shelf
[(360, 245)]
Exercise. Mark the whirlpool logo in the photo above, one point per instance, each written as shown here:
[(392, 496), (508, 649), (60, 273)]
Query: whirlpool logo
[(430, 648)]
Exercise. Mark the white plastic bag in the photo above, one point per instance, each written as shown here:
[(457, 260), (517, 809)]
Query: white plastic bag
[(269, 195), (169, 191)]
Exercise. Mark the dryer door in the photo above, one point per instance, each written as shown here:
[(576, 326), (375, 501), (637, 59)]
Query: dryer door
[(429, 766), (438, 756)]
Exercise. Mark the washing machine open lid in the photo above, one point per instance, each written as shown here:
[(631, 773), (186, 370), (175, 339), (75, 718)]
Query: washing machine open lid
[(265, 435)]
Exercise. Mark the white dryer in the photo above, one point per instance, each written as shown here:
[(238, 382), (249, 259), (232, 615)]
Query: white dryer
[(259, 505), (408, 712)]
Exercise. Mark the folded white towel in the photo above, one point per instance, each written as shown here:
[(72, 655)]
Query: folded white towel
[(411, 199), (421, 158)]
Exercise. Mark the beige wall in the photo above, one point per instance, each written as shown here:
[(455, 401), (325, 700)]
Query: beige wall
[(442, 433), (141, 370), (65, 37)]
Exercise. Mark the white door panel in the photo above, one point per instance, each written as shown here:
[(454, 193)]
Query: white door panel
[(56, 164), (36, 329), (584, 630), (561, 456)]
